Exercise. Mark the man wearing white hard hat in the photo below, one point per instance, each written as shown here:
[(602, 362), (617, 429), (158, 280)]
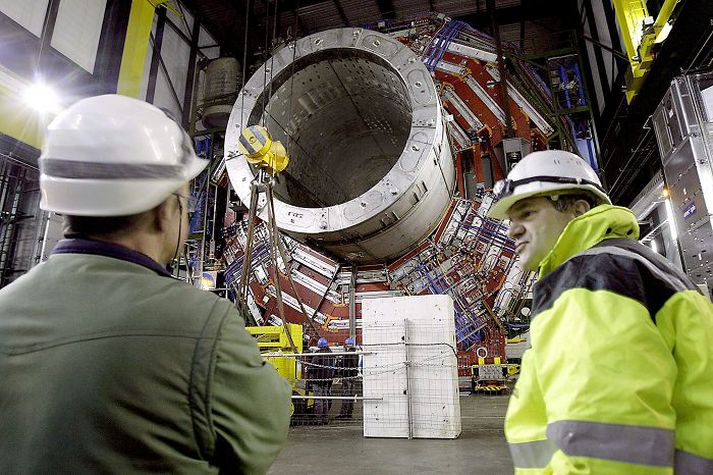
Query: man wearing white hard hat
[(618, 378), (108, 364)]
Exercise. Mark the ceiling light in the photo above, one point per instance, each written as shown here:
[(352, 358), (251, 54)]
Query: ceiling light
[(41, 98)]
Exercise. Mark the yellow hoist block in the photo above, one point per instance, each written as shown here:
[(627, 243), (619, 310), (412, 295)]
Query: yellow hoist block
[(260, 150), (273, 339)]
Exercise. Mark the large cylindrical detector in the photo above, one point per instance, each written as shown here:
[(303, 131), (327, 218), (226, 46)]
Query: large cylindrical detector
[(371, 172)]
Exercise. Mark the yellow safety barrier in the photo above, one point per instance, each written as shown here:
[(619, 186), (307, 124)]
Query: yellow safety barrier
[(273, 339)]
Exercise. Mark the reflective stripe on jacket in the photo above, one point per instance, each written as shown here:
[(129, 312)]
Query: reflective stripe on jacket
[(619, 378)]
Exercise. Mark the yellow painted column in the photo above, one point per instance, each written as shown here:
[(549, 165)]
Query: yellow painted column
[(136, 44)]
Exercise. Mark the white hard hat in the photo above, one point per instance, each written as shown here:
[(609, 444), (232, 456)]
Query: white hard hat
[(113, 155), (549, 172)]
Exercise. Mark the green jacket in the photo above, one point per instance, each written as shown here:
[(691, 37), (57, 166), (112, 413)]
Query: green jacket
[(619, 378), (107, 367)]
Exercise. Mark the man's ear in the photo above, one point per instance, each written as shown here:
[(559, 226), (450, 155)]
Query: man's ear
[(581, 207), (162, 215)]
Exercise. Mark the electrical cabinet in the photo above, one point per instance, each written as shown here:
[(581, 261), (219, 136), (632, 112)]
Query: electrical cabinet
[(683, 123)]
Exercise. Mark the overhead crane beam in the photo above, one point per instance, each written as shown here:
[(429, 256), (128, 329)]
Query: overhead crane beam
[(640, 33)]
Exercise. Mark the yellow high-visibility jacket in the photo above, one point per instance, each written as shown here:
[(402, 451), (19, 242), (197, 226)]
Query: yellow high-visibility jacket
[(619, 378)]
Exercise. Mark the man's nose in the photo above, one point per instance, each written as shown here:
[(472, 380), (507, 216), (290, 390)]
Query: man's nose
[(515, 230)]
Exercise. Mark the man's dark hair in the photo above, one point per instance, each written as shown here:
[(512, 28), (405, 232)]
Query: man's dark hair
[(565, 202), (76, 226)]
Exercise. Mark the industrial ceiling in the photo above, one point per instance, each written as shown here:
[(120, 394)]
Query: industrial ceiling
[(628, 151), (267, 19)]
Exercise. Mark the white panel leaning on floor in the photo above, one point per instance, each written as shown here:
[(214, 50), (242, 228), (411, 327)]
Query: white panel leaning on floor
[(411, 369)]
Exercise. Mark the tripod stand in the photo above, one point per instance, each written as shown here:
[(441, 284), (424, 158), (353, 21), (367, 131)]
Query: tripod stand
[(269, 164)]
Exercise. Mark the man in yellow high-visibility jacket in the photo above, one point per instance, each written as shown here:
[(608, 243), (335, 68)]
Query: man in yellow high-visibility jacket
[(619, 378)]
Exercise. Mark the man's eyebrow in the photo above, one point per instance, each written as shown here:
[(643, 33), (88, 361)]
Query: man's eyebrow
[(517, 207)]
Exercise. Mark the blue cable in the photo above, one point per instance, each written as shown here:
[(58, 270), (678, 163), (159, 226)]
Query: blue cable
[(432, 45), (435, 44), (456, 28), (563, 83), (580, 89), (592, 159)]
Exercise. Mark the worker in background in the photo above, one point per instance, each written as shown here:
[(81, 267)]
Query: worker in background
[(108, 364), (322, 374), (618, 378), (349, 366)]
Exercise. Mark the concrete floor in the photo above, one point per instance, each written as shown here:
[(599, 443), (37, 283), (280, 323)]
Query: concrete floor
[(341, 448)]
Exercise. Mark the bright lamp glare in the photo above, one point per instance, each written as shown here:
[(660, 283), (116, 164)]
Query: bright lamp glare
[(41, 98)]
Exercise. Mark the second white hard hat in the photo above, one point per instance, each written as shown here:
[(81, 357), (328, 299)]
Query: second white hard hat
[(548, 172), (113, 155)]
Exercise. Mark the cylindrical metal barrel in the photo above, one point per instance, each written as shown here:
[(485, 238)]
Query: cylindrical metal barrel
[(222, 79), (371, 172)]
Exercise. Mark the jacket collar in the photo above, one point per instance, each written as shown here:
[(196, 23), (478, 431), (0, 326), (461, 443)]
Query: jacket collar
[(583, 232), (107, 249)]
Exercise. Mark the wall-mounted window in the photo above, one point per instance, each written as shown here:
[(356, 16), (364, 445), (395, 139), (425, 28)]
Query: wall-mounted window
[(175, 53), (77, 30), (30, 14)]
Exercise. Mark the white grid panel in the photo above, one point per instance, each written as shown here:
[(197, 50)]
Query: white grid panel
[(412, 368), (385, 377)]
